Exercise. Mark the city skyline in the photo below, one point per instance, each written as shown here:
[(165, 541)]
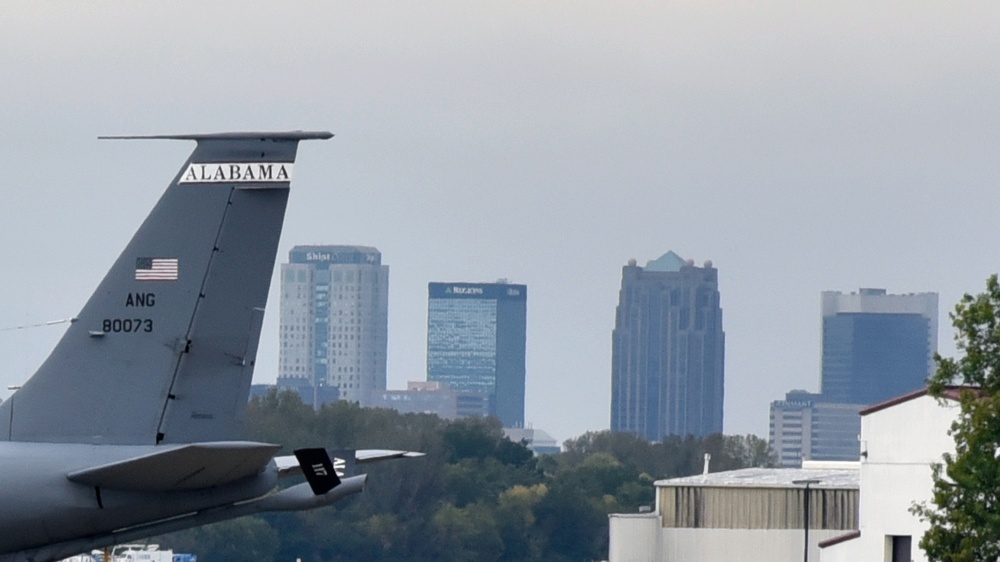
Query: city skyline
[(800, 148)]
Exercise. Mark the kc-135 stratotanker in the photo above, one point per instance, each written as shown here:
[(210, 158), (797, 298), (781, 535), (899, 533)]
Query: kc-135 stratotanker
[(130, 428)]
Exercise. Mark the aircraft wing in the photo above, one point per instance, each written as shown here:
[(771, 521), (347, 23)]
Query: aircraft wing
[(344, 460), (185, 467), (363, 456)]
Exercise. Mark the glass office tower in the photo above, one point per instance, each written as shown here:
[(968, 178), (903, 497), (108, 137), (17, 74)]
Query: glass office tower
[(476, 343), (877, 346)]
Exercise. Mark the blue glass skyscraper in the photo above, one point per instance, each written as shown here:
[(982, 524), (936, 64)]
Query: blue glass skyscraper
[(877, 346), (476, 343)]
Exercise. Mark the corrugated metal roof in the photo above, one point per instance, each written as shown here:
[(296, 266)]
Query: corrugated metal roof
[(829, 478)]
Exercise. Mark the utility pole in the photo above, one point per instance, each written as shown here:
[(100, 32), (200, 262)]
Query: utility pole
[(805, 515)]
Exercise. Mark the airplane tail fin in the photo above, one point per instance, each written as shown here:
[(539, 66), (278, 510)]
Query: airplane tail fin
[(164, 350)]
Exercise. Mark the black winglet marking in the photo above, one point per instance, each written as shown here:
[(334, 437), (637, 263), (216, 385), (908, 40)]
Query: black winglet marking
[(318, 470)]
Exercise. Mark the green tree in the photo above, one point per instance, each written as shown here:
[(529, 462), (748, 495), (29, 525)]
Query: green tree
[(516, 522), (467, 534), (742, 451), (575, 523), (248, 539), (964, 514), (476, 495), (672, 457)]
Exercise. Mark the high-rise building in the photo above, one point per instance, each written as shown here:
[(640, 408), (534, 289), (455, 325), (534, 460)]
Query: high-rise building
[(476, 343), (804, 427), (668, 346), (875, 345), (334, 320), (420, 397)]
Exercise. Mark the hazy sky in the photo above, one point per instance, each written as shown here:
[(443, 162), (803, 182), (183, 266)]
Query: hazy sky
[(801, 147)]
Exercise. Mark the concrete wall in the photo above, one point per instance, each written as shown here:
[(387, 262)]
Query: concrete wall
[(633, 537), (740, 545), (639, 538)]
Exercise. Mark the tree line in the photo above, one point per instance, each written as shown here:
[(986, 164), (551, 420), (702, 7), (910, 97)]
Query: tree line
[(475, 496)]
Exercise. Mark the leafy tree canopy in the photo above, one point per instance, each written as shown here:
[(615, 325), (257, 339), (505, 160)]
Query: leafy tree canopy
[(476, 495), (964, 513)]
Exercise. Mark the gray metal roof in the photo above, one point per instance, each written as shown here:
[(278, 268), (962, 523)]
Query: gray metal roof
[(829, 478)]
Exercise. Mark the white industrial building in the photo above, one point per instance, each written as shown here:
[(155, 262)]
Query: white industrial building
[(748, 515), (900, 439)]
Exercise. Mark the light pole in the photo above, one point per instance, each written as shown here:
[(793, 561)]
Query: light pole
[(807, 483)]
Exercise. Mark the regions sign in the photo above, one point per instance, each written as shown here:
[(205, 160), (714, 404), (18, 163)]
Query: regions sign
[(502, 291), (458, 290)]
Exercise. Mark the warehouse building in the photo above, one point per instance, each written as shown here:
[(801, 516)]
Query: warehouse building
[(753, 514)]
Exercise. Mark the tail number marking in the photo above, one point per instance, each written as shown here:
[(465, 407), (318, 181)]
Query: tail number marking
[(126, 325), (140, 300)]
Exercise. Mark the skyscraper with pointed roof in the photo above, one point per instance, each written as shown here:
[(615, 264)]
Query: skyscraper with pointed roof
[(668, 348)]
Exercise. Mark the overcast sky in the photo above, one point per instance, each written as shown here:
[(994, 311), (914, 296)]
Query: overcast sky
[(801, 147)]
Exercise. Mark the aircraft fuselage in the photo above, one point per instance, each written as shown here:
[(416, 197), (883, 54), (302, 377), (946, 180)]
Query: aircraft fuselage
[(43, 507)]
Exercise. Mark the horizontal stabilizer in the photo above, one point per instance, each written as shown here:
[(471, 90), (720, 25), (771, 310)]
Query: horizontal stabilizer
[(283, 135), (344, 460), (186, 467), (364, 456)]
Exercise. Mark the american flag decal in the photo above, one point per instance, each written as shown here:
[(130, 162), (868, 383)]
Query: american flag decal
[(156, 269)]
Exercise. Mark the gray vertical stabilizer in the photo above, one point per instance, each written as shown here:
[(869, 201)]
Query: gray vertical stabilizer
[(164, 350)]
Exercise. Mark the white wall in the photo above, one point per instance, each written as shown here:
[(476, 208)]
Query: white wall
[(740, 545), (639, 538), (902, 442), (633, 537)]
